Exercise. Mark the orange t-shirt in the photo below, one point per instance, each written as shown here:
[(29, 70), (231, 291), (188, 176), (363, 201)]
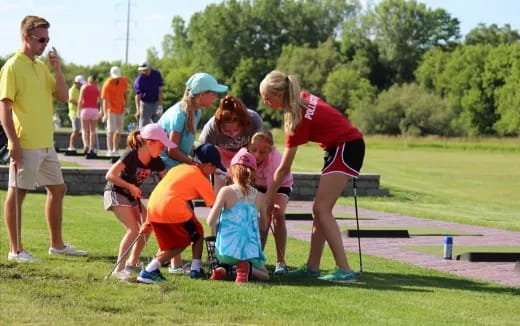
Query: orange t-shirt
[(114, 93), (168, 202)]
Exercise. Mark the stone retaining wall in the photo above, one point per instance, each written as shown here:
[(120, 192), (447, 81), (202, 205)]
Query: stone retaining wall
[(92, 181), (61, 140)]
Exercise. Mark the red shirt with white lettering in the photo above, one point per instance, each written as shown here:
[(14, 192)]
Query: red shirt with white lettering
[(322, 124)]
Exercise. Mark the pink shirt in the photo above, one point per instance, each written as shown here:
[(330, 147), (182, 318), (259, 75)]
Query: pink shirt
[(265, 171), (90, 97)]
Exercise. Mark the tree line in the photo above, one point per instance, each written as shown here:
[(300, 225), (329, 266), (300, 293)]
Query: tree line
[(398, 67)]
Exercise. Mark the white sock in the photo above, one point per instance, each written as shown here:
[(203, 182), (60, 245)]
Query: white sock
[(153, 265), (195, 265)]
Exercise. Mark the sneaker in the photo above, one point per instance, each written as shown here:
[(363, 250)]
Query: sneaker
[(219, 274), (22, 257), (150, 277), (176, 270), (304, 271), (339, 275), (122, 275), (71, 149), (67, 250), (134, 268), (108, 153), (281, 269), (242, 272), (194, 274)]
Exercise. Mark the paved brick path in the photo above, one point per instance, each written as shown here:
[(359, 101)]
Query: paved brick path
[(502, 273)]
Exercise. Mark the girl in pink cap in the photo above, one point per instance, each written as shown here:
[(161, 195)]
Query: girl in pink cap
[(122, 193), (235, 218)]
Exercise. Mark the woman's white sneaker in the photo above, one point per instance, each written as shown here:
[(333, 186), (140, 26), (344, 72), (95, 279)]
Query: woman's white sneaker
[(67, 250), (22, 257)]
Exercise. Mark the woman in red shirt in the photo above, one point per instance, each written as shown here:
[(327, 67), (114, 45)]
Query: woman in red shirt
[(88, 102), (308, 118)]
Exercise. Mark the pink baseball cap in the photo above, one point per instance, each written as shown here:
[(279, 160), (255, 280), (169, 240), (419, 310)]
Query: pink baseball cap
[(155, 132), (243, 157)]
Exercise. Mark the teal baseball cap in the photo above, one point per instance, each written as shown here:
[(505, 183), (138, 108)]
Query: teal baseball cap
[(203, 82)]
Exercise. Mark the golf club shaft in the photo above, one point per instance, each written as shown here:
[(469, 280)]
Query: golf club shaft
[(17, 209), (125, 253), (357, 224)]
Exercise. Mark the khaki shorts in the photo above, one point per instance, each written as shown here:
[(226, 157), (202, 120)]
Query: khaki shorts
[(114, 122), (39, 167)]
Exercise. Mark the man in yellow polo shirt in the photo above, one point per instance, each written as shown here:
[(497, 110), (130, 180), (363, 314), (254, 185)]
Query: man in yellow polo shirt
[(27, 89)]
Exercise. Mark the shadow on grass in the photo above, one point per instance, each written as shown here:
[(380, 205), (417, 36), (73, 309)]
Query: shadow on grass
[(402, 282)]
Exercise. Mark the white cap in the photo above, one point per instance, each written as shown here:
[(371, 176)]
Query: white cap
[(115, 72), (144, 66), (80, 79)]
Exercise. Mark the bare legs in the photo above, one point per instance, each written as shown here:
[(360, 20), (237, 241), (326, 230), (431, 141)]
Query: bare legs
[(325, 227), (73, 139), (129, 217), (15, 236), (279, 228), (53, 214), (88, 128)]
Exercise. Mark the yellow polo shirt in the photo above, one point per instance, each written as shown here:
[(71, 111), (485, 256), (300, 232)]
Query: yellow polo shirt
[(73, 95), (29, 85)]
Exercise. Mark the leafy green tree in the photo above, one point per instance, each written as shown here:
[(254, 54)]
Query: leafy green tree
[(492, 35), (407, 110), (404, 30), (503, 78), (346, 89), (224, 36), (311, 65)]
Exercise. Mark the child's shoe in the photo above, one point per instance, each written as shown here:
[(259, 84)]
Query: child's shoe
[(194, 274), (242, 272), (281, 269), (134, 268), (122, 275), (175, 270), (304, 271), (150, 277), (340, 275), (219, 274)]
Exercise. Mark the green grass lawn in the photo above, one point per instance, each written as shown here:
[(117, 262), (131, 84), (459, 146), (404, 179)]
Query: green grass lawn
[(65, 290), (468, 181), (472, 182)]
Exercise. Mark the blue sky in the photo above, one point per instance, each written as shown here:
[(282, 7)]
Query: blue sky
[(87, 32)]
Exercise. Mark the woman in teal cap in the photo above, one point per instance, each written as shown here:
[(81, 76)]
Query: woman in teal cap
[(180, 122)]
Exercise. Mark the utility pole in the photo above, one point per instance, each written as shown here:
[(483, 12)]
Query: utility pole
[(127, 31)]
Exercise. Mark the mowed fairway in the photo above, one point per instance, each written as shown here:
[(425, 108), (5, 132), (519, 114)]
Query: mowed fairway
[(453, 180), (428, 182)]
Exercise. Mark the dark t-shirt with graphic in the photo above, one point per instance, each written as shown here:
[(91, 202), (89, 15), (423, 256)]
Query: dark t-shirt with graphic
[(135, 172)]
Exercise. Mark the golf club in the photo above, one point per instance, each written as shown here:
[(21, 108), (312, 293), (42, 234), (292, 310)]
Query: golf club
[(357, 224), (123, 255), (17, 209), (143, 221)]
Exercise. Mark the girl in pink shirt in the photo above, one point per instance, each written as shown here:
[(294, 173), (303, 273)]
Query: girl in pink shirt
[(88, 103), (268, 159)]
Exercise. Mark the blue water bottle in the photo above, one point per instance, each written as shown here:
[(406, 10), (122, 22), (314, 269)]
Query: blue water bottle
[(448, 247)]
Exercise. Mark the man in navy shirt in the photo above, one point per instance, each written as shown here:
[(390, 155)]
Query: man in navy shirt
[(148, 94)]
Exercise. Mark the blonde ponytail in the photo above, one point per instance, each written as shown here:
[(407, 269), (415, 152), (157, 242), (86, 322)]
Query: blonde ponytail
[(288, 87)]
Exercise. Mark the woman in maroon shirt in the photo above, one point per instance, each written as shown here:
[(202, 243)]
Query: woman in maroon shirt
[(308, 118)]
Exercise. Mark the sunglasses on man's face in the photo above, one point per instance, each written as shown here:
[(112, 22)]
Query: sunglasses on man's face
[(40, 39)]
